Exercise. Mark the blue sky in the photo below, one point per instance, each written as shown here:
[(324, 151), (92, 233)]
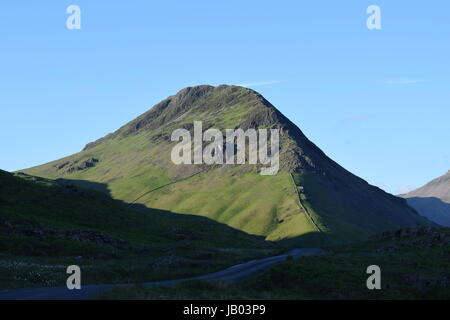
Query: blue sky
[(376, 101)]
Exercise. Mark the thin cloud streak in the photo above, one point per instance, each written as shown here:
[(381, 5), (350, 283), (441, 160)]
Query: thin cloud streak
[(257, 84), (407, 81), (403, 189), (357, 118)]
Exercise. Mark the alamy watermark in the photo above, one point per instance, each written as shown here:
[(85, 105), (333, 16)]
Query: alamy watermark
[(374, 20), (374, 280), (230, 151), (74, 280), (73, 22)]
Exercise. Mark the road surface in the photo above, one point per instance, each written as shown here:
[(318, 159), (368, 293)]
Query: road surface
[(91, 291)]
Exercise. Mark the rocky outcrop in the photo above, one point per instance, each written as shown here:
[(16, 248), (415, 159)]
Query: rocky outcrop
[(421, 236), (77, 165), (33, 230)]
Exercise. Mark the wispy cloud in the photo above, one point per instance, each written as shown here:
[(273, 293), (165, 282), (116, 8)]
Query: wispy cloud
[(404, 189), (356, 118), (257, 84), (407, 81)]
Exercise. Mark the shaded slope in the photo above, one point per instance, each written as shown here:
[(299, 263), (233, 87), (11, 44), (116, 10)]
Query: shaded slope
[(39, 211), (432, 200), (433, 208), (47, 225), (134, 162)]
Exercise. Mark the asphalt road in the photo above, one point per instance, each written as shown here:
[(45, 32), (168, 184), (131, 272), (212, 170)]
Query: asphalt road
[(91, 291)]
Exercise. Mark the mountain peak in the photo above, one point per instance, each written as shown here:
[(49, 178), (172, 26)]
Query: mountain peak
[(190, 94), (201, 102), (227, 107)]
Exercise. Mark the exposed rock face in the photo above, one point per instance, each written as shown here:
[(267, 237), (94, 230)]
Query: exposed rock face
[(76, 165), (422, 236)]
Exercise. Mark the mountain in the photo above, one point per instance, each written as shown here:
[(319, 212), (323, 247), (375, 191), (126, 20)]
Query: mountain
[(311, 199), (432, 200)]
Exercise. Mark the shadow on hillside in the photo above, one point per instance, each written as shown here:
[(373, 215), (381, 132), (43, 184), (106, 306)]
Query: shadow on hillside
[(312, 239), (195, 219), (102, 187), (433, 208), (317, 240)]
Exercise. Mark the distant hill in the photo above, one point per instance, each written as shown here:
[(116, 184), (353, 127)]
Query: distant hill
[(433, 200), (311, 200)]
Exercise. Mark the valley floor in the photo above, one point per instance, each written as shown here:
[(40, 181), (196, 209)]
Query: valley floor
[(175, 263), (235, 272), (413, 266)]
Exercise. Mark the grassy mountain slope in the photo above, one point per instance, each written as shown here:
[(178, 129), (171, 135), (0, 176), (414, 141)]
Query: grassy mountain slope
[(45, 226), (48, 204), (310, 195)]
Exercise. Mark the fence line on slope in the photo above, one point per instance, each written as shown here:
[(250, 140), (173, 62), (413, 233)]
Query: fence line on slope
[(302, 207), (165, 185)]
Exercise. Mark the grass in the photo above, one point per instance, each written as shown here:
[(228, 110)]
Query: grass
[(157, 245), (408, 271), (21, 271), (255, 204)]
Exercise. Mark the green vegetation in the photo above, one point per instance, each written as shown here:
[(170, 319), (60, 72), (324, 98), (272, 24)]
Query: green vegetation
[(255, 204), (45, 226), (412, 267)]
